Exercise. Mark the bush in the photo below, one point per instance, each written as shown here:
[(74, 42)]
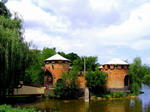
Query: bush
[(50, 96), (118, 95), (67, 88), (96, 81), (61, 91)]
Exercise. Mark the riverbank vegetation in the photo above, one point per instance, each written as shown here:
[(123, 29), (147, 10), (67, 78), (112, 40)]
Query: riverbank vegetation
[(9, 108), (139, 74), (113, 96)]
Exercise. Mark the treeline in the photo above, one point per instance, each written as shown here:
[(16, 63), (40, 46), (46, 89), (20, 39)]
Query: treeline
[(34, 73)]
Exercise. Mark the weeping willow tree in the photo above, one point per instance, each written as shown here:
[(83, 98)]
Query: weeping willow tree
[(138, 75), (14, 52)]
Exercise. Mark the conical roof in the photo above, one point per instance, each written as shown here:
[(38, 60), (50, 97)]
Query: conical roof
[(56, 57), (116, 61)]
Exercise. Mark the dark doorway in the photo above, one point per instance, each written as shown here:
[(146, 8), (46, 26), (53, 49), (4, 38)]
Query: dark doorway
[(59, 81), (48, 79), (126, 81)]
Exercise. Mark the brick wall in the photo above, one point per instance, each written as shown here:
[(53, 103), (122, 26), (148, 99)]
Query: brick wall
[(115, 79), (57, 68), (116, 75)]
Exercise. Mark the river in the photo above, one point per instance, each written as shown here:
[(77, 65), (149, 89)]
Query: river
[(139, 104)]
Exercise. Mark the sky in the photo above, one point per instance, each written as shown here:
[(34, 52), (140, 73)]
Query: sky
[(104, 28)]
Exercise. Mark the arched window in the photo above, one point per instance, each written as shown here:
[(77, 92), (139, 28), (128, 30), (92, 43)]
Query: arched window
[(48, 79), (126, 81)]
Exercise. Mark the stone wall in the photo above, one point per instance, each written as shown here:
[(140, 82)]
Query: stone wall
[(29, 90)]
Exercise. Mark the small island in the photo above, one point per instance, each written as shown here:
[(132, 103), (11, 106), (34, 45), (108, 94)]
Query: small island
[(48, 78)]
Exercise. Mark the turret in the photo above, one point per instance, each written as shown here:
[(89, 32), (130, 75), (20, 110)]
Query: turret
[(55, 66), (117, 74)]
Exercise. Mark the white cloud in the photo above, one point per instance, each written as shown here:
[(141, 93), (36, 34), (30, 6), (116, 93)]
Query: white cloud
[(101, 4), (34, 15), (87, 27), (141, 44), (43, 40), (136, 27)]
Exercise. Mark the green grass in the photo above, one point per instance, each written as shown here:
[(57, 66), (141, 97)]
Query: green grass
[(9, 108)]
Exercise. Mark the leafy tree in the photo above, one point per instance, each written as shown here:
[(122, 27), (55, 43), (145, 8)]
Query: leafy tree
[(67, 87), (62, 54), (146, 79), (137, 72), (96, 81), (3, 10), (14, 52), (48, 52), (78, 64), (91, 63), (72, 56), (34, 74)]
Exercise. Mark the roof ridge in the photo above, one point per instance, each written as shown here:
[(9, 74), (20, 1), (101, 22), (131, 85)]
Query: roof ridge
[(57, 57), (117, 61)]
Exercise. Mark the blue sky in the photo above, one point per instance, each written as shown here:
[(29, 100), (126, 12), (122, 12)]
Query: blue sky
[(104, 28)]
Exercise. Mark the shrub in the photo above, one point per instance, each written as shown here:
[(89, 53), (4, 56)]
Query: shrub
[(96, 81), (67, 88), (50, 96), (118, 95)]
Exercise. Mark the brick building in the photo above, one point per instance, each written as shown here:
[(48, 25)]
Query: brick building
[(117, 70), (118, 79), (54, 67)]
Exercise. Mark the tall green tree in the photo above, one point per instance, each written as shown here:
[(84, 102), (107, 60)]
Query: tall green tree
[(34, 73), (90, 62), (14, 52), (72, 56), (62, 54), (3, 9), (137, 72), (48, 52), (146, 79)]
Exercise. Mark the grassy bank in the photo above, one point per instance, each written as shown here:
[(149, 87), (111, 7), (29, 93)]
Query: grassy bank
[(113, 96), (9, 108)]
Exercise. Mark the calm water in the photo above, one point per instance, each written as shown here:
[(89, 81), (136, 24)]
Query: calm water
[(139, 104)]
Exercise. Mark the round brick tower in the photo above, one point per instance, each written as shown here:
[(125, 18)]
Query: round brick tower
[(118, 79), (54, 67)]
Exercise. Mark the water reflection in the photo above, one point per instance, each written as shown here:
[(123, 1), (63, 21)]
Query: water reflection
[(82, 106), (139, 104), (145, 98)]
